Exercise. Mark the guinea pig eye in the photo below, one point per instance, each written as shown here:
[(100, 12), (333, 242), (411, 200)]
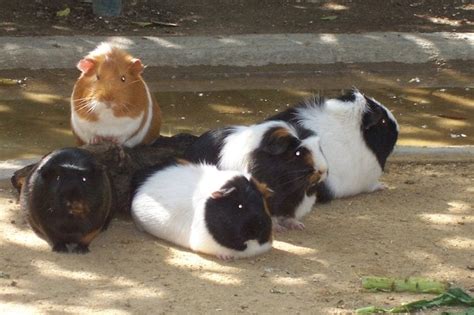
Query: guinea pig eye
[(97, 77), (383, 121), (84, 179), (297, 153), (122, 78), (240, 206), (57, 178)]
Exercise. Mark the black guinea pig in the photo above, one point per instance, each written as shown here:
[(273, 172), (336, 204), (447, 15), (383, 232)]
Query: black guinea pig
[(68, 199)]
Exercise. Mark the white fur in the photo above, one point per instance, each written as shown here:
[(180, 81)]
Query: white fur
[(305, 206), (170, 205), (108, 125), (353, 168), (235, 153), (138, 138), (101, 50)]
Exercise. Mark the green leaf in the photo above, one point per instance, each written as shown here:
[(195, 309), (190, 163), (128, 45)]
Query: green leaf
[(63, 13), (329, 18), (454, 296)]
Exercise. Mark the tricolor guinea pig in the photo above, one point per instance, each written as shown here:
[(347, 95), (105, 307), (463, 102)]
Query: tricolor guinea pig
[(111, 101), (357, 135), (68, 199), (196, 206), (272, 153)]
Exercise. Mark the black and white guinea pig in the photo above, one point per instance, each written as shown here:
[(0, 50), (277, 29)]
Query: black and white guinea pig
[(273, 154), (68, 199), (357, 135), (197, 206)]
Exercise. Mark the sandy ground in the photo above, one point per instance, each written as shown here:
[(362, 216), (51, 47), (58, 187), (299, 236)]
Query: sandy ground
[(422, 225)]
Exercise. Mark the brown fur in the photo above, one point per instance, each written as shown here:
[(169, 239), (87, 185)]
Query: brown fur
[(87, 239), (265, 191), (281, 133), (103, 82)]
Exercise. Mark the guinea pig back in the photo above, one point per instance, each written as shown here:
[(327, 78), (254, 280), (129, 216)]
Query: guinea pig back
[(111, 101), (68, 199)]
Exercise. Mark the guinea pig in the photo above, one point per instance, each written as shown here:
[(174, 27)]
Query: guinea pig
[(273, 154), (122, 163), (111, 101), (357, 135), (197, 206), (68, 199)]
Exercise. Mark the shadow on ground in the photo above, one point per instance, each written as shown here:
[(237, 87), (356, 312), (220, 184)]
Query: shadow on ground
[(420, 226)]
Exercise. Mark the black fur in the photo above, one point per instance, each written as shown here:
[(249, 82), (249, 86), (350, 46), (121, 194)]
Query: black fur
[(180, 140), (323, 193), (286, 173), (290, 116), (379, 132), (69, 175), (207, 147), (232, 226), (349, 96)]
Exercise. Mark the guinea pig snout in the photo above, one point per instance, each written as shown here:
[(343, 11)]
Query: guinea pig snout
[(77, 208), (318, 176)]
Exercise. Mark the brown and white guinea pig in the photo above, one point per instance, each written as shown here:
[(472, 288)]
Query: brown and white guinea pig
[(273, 154), (68, 199), (112, 102), (197, 206), (357, 135)]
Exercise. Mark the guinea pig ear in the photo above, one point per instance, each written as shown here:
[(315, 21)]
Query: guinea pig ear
[(278, 142), (136, 66), (372, 116), (222, 193), (86, 65), (48, 172)]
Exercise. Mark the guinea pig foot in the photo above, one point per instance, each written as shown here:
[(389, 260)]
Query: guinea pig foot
[(225, 257), (60, 248), (378, 186), (81, 249), (96, 140), (277, 227), (292, 224)]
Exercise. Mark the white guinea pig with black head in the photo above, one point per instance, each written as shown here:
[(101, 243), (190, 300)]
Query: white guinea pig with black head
[(357, 135), (274, 155), (197, 206)]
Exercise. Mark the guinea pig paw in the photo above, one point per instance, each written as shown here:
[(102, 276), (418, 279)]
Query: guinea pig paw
[(96, 140), (292, 224), (225, 257), (60, 248), (378, 186), (278, 228), (81, 249)]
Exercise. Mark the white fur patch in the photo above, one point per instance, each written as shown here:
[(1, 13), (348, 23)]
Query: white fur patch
[(235, 153), (353, 168), (170, 205), (138, 138), (305, 206)]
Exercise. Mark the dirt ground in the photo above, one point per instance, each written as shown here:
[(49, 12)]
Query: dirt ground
[(422, 225), (210, 17)]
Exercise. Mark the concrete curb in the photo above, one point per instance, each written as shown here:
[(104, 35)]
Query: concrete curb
[(52, 52), (440, 153)]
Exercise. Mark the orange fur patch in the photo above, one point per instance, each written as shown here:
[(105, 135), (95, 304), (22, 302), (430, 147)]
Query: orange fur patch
[(87, 239)]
